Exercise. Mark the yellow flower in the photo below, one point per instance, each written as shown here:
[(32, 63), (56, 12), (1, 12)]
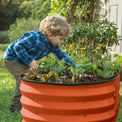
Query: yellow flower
[(102, 45), (93, 50), (25, 3), (72, 45), (80, 45), (82, 48), (93, 40), (70, 49), (98, 48)]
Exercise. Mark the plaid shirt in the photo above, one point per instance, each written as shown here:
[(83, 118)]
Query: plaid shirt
[(33, 45)]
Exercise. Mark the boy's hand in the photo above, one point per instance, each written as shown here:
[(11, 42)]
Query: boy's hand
[(34, 64)]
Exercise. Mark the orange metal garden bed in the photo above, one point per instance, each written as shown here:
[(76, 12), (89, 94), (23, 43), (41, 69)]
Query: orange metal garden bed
[(82, 102)]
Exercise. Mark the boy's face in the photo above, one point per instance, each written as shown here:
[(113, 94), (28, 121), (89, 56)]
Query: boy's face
[(56, 40)]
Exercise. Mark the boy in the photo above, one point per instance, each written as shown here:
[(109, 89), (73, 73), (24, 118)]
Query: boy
[(32, 46)]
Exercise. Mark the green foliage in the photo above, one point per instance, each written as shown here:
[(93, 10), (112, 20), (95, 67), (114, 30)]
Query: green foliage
[(8, 11), (99, 72), (25, 9), (107, 70), (109, 66), (34, 9), (85, 67), (51, 63), (1, 61), (105, 35), (73, 50), (4, 37), (86, 10), (82, 10), (118, 59), (37, 9), (59, 7), (22, 26), (102, 65), (78, 69), (95, 37), (3, 47), (42, 8)]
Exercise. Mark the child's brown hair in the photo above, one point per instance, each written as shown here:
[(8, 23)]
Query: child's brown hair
[(55, 25)]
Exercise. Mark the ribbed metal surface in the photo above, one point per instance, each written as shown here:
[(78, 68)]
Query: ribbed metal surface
[(63, 103)]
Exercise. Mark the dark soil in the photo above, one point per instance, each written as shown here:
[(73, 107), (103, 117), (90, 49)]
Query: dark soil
[(81, 78)]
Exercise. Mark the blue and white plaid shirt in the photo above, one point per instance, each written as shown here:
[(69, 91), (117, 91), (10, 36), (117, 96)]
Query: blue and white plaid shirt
[(33, 45)]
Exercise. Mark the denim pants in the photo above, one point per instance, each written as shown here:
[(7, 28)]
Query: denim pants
[(15, 69)]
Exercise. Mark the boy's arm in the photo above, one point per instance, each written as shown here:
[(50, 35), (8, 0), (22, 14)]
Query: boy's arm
[(60, 55)]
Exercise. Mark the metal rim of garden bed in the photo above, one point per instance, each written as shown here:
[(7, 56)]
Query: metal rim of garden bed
[(69, 84)]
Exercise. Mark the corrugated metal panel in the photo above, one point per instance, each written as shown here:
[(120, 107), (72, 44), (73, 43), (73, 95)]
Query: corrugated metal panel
[(60, 103)]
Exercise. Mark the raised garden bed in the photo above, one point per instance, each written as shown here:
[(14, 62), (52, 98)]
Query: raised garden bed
[(67, 102)]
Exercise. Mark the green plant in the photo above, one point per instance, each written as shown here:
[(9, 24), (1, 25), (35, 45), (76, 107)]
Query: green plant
[(51, 63), (74, 50), (1, 61), (8, 12), (96, 36), (82, 10), (86, 10), (49, 69), (25, 9), (34, 9), (105, 35), (58, 7), (118, 58), (4, 37), (107, 69), (3, 47)]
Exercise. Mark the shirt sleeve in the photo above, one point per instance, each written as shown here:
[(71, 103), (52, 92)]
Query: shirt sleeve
[(61, 54), (21, 48)]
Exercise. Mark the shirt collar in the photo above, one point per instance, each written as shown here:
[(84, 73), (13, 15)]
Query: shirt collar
[(44, 39)]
